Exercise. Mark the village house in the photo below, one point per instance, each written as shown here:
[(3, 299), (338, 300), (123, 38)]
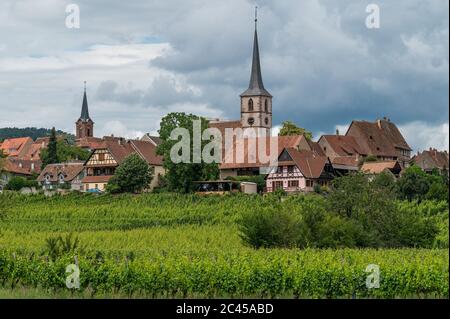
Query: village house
[(16, 147), (343, 151), (24, 153), (62, 176), (11, 170), (432, 159), (103, 161), (382, 139), (299, 171)]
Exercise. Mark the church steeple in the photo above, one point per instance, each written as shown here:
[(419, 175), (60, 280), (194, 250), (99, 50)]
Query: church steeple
[(256, 86), (256, 101), (84, 108), (84, 125)]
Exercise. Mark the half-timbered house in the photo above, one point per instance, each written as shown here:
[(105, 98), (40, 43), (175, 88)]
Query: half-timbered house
[(103, 162), (299, 171)]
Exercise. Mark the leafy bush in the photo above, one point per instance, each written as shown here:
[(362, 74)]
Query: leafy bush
[(17, 183), (273, 228)]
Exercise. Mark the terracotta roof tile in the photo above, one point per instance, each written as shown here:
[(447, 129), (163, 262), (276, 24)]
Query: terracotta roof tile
[(96, 179), (69, 171), (378, 167), (343, 145), (14, 168), (15, 146), (381, 138), (432, 158), (230, 160), (309, 163)]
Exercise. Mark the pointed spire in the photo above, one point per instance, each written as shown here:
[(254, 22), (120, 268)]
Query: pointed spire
[(256, 86), (84, 109)]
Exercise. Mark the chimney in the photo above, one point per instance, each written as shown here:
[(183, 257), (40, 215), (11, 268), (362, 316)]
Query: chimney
[(337, 131), (379, 123)]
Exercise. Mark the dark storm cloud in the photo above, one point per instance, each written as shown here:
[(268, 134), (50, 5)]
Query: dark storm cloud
[(321, 63)]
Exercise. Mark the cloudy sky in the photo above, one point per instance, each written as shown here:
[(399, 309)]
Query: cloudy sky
[(144, 58)]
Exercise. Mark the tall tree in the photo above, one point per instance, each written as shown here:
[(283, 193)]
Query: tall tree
[(52, 149), (289, 128), (180, 176)]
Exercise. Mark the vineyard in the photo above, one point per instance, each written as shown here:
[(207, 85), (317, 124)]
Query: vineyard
[(174, 246)]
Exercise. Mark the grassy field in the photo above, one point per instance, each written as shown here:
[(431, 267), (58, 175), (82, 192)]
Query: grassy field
[(171, 246)]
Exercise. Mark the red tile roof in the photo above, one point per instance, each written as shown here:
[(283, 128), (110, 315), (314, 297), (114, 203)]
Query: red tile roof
[(308, 162), (378, 167), (96, 179), (90, 143), (222, 125), (230, 161), (343, 145), (69, 171), (380, 138), (148, 151), (15, 146), (14, 168), (432, 158), (351, 161), (120, 148)]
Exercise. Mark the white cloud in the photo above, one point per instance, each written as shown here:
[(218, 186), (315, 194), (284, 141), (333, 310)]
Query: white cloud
[(117, 128), (421, 136)]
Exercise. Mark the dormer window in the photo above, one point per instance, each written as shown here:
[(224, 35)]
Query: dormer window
[(47, 179), (250, 105), (61, 178)]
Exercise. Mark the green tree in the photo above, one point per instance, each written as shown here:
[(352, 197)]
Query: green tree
[(289, 128), (414, 183), (384, 181), (180, 176), (65, 152), (52, 150), (132, 176)]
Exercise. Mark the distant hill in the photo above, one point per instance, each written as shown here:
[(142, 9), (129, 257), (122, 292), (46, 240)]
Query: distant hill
[(33, 132)]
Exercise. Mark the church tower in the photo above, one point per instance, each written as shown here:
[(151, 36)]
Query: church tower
[(256, 101), (84, 125)]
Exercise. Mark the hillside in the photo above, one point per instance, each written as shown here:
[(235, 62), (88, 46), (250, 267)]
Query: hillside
[(33, 132)]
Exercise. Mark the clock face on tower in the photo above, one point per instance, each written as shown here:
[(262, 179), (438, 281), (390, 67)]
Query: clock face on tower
[(251, 120)]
